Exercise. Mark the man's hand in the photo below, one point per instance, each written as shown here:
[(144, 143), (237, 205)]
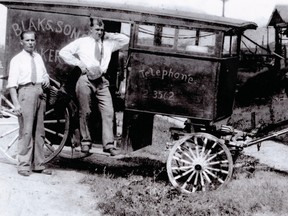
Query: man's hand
[(46, 83), (83, 68), (94, 73), (17, 110)]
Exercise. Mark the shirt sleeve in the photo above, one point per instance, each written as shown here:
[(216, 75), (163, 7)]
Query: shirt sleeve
[(68, 52), (13, 74), (120, 40), (45, 74)]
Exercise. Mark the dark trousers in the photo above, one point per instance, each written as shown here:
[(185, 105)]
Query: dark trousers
[(86, 92)]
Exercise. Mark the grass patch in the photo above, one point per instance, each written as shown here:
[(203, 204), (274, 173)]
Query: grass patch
[(264, 192), (144, 189)]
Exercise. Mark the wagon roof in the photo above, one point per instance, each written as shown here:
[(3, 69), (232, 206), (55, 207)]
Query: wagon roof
[(135, 6), (279, 16)]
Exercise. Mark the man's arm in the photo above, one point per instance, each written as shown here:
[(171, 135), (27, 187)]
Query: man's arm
[(46, 78), (13, 94), (120, 40), (68, 52)]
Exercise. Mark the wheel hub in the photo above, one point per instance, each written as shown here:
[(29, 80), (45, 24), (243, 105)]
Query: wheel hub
[(199, 164), (198, 167)]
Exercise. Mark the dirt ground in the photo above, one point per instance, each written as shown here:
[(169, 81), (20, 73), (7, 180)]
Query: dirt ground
[(273, 154), (61, 194)]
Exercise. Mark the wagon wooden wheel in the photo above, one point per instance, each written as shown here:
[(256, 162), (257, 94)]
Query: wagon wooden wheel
[(56, 131), (199, 162)]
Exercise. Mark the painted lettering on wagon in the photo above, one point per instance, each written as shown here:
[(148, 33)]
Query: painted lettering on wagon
[(50, 55), (46, 25), (163, 74), (150, 73)]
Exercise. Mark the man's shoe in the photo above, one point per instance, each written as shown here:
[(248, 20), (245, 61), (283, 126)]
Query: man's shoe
[(85, 148), (112, 151), (24, 172), (45, 172)]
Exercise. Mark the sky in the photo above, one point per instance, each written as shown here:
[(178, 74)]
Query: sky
[(258, 11)]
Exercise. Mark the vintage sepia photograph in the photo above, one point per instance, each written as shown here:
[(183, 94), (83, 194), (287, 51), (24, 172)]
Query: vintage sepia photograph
[(149, 108)]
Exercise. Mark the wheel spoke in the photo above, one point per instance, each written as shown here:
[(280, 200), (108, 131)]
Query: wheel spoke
[(182, 160), (48, 141), (11, 143), (9, 132), (197, 151), (204, 146), (8, 123), (195, 182), (210, 150), (181, 168), (214, 176), (206, 176), (184, 174), (7, 101), (196, 179), (49, 147), (49, 111), (215, 155), (202, 181), (179, 156), (9, 113), (54, 132), (218, 162), (188, 180), (218, 170), (57, 121), (189, 156), (192, 154)]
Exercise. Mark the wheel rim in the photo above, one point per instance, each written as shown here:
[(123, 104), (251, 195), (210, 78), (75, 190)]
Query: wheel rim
[(9, 133), (56, 132), (199, 162)]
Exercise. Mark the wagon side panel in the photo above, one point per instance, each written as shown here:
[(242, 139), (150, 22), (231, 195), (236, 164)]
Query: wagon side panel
[(171, 85)]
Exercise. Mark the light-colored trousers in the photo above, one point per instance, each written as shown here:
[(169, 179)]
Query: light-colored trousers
[(31, 128), (86, 91)]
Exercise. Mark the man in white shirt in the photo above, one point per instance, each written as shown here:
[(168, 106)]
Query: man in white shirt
[(92, 55), (27, 78)]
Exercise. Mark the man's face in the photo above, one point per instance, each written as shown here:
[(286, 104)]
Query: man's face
[(28, 42), (97, 32)]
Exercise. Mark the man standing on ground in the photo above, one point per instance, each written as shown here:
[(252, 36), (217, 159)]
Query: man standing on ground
[(92, 55), (27, 79)]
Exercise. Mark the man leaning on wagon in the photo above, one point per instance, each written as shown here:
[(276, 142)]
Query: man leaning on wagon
[(27, 79), (92, 55)]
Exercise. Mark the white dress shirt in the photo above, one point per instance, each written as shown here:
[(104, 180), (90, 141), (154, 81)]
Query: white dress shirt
[(84, 48), (20, 69)]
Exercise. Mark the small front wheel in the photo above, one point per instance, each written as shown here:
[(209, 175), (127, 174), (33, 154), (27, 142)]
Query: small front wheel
[(199, 162)]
